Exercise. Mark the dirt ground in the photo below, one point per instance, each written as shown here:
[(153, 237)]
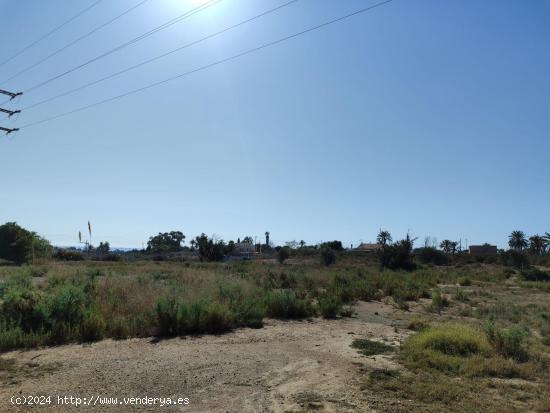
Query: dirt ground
[(287, 366)]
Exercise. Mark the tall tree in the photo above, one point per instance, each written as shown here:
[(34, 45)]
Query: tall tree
[(267, 238), (22, 246), (546, 238), (454, 247), (384, 238), (517, 240), (166, 242), (446, 246), (537, 244)]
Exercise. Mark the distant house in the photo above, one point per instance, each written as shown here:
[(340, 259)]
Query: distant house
[(243, 250), (484, 249), (365, 247)]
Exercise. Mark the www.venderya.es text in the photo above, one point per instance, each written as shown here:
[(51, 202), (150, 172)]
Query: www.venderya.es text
[(97, 400)]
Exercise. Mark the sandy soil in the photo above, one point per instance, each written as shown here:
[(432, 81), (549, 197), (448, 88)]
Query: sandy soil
[(287, 366)]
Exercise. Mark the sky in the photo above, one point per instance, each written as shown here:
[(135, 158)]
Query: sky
[(418, 116)]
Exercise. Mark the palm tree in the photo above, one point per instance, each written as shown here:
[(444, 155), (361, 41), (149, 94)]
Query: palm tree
[(517, 240), (384, 237), (446, 246), (546, 239), (454, 245), (537, 244)]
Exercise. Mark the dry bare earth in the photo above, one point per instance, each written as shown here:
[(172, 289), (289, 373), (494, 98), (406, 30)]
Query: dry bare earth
[(288, 366)]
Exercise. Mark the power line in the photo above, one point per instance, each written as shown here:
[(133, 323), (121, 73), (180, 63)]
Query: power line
[(218, 33), (219, 62), (130, 42), (23, 50), (79, 39)]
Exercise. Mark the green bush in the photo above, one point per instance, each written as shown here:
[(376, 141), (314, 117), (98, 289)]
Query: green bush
[(20, 305), (68, 255), (329, 305), (449, 348), (464, 282), (431, 255), (285, 304), (216, 319), (397, 256), (283, 254), (370, 347), (21, 246), (514, 258), (328, 256), (246, 306), (534, 274), (14, 337), (166, 310), (439, 302), (508, 342)]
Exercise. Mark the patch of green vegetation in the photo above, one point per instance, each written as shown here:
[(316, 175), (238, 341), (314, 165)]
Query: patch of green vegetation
[(508, 342), (64, 312), (459, 349), (329, 305), (439, 302), (384, 374), (418, 324), (464, 281), (370, 348), (434, 392), (461, 295), (285, 304), (534, 274)]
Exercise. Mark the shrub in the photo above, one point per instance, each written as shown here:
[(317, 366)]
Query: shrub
[(178, 318), (439, 302), (461, 295), (370, 348), (464, 282), (328, 256), (431, 255), (284, 304), (347, 311), (166, 310), (397, 256), (534, 274), (453, 341), (14, 337), (514, 258), (446, 348), (508, 342), (21, 246), (209, 249), (246, 306), (68, 255), (333, 245), (283, 254), (19, 307), (383, 374), (330, 305), (418, 324), (93, 327)]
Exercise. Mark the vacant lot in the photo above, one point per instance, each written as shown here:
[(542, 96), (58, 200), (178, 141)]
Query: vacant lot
[(282, 338)]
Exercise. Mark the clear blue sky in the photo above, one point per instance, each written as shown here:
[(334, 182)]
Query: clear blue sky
[(423, 115)]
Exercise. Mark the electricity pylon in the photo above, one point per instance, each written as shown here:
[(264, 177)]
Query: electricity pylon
[(8, 130), (10, 113), (10, 94)]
